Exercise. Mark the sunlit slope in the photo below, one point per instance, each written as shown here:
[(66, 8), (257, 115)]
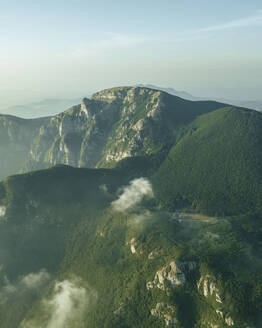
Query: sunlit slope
[(113, 124), (217, 166)]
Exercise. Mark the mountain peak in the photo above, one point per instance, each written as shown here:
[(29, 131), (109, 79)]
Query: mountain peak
[(113, 124), (112, 94)]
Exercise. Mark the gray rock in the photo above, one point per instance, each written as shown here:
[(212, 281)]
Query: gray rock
[(174, 273)]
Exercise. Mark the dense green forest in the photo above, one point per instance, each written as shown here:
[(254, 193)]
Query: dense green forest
[(171, 236)]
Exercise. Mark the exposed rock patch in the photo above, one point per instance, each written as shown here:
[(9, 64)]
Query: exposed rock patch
[(133, 245), (166, 312), (174, 274), (152, 255), (208, 287), (2, 212), (229, 321)]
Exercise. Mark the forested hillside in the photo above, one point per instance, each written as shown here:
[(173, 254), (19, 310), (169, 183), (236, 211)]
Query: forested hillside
[(167, 235)]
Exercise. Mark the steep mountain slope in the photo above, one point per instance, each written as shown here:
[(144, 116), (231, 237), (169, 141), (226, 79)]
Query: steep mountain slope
[(16, 136), (112, 125), (216, 166)]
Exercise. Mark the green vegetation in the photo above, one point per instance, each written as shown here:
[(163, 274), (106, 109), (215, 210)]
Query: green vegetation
[(216, 165), (62, 239)]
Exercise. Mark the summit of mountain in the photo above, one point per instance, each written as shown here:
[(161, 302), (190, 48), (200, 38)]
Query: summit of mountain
[(113, 124)]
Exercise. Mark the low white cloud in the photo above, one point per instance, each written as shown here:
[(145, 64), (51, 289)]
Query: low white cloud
[(104, 188), (68, 303), (23, 285), (65, 307), (133, 194), (138, 222), (34, 280)]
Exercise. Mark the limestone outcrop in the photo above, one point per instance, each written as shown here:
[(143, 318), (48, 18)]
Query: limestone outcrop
[(174, 274), (166, 312)]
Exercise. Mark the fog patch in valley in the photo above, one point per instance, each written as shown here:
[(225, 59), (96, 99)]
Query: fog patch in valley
[(30, 283), (139, 221), (65, 307), (104, 188), (2, 211), (133, 194)]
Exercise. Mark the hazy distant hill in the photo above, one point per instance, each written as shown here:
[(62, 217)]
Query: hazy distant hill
[(255, 104), (172, 91), (42, 108)]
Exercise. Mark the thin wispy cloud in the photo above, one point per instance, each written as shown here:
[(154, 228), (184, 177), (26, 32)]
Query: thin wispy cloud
[(119, 41), (254, 20), (204, 33)]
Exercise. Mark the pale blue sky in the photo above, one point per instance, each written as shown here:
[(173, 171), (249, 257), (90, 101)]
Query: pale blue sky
[(71, 48)]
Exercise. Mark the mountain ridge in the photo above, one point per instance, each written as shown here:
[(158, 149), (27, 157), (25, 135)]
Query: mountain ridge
[(115, 123), (251, 104)]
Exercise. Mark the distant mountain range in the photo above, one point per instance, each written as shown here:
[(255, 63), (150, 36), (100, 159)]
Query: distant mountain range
[(50, 107), (252, 104), (47, 107)]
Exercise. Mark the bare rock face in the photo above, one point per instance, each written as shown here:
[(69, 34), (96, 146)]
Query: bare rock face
[(166, 312), (133, 245), (229, 321), (152, 255), (2, 212), (208, 287), (16, 138), (110, 126), (174, 274)]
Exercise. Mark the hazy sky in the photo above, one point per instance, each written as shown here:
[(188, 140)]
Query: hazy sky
[(65, 48)]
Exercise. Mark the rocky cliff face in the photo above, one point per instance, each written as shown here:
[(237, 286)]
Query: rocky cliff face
[(16, 136), (166, 312), (208, 288), (174, 274), (112, 125)]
